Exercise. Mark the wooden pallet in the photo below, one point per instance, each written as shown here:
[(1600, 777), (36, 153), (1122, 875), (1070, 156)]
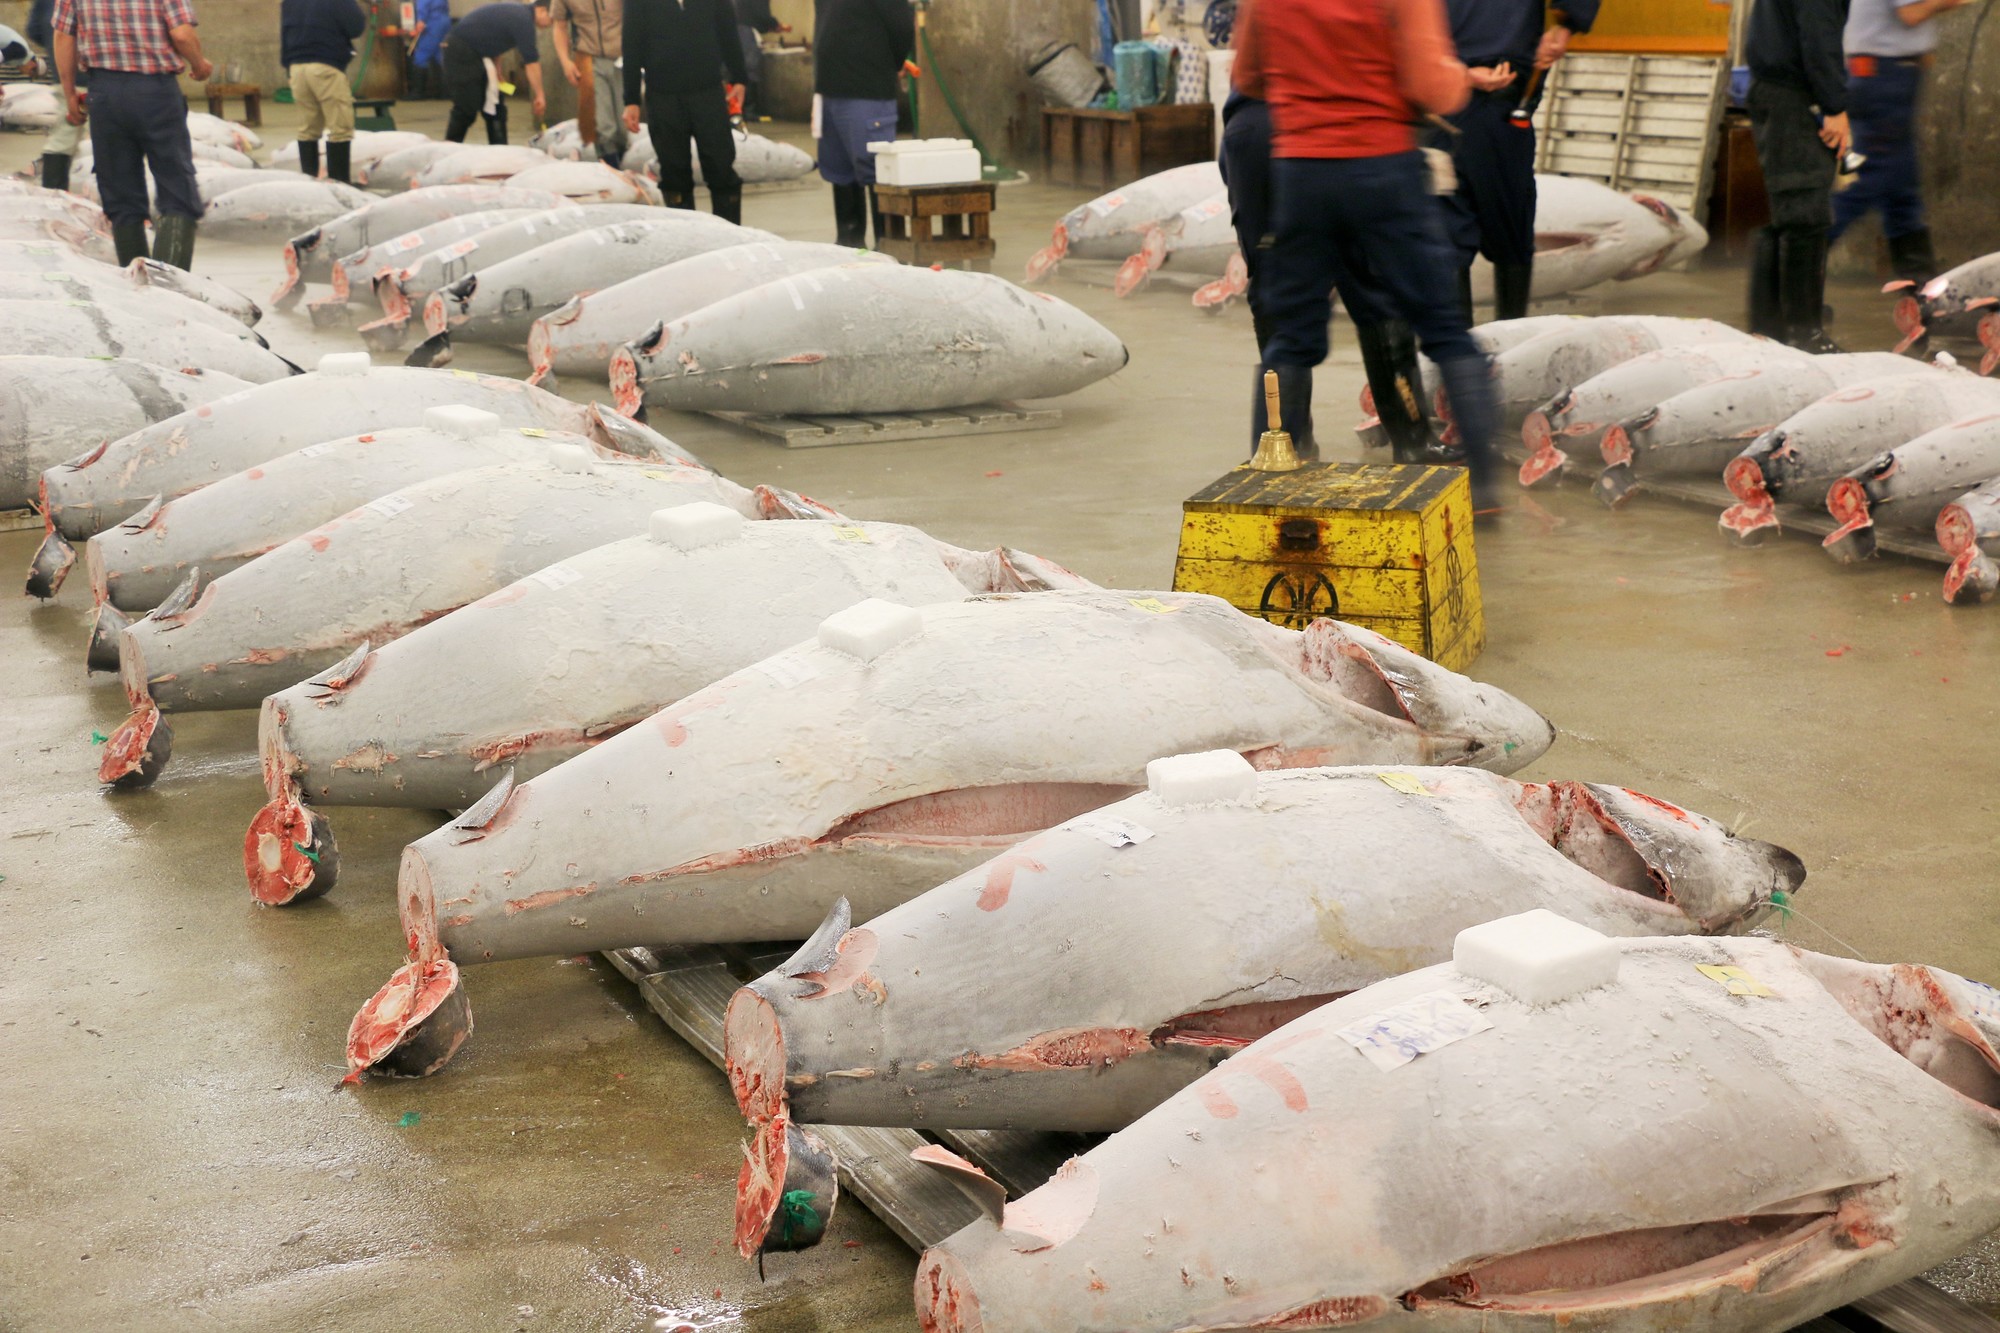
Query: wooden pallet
[(19, 520), (1635, 122), (812, 432), (1101, 150)]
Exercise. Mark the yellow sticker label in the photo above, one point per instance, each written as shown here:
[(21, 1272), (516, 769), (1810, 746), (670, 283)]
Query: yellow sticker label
[(1154, 605), (849, 534), (466, 374), (1733, 979), (1405, 783), (534, 432)]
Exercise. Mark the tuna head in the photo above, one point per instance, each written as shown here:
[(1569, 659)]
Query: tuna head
[(1332, 1176)]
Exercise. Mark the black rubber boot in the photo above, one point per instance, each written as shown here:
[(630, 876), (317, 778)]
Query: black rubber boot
[(1295, 410), (173, 241), (340, 162), (1802, 288), (675, 199), (728, 204), (850, 226), (613, 160), (129, 240), (1468, 383), (55, 171), (1910, 255), (1766, 312), (1465, 294), (1512, 286), (875, 216), (1389, 354), (309, 158), (496, 125)]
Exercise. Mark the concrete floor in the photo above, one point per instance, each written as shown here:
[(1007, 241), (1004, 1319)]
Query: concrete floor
[(173, 1147)]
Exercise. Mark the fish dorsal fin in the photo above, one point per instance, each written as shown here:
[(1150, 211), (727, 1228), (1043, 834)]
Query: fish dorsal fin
[(142, 520), (468, 826), (342, 673), (181, 598), (818, 953), (976, 1185)]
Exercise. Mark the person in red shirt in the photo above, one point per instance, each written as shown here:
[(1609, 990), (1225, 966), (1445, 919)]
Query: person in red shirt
[(1347, 81)]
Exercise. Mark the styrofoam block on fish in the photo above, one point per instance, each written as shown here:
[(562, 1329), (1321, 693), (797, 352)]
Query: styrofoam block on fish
[(1198, 779), (345, 363), (460, 420), (571, 458), (1537, 957), (870, 628), (696, 525)]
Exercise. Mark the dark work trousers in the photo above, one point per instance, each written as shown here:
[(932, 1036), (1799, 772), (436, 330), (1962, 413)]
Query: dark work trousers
[(1245, 159), (1492, 212), (138, 122), (1798, 168), (1882, 108), (702, 116), (465, 85)]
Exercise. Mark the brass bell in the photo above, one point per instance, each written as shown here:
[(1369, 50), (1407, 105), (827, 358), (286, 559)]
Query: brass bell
[(1274, 446)]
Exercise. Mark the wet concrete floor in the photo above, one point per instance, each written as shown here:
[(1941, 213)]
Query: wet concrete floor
[(173, 1149)]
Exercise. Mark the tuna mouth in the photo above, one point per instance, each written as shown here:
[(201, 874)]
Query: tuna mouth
[(1628, 1268)]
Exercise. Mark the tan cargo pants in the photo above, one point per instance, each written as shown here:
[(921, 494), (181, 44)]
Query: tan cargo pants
[(325, 102)]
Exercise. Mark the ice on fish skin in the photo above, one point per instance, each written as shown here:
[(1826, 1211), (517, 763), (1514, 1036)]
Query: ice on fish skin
[(285, 204), (499, 303), (814, 775), (580, 337), (585, 182), (309, 256), (868, 338), (31, 257), (575, 652), (1054, 988), (116, 287), (1803, 455), (396, 171), (1530, 373), (181, 454), (134, 565), (1908, 486), (91, 328), (75, 236), (1582, 1164), (53, 406), (354, 274), (480, 164)]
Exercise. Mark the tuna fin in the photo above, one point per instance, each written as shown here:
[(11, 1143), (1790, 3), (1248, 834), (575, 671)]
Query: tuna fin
[(817, 954), (181, 598), (431, 352), (142, 520), (467, 827), (976, 1185), (776, 502), (1032, 573), (635, 439), (292, 365), (341, 674)]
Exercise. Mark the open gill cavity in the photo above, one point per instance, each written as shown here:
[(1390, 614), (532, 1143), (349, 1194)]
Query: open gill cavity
[(1623, 1267), (1570, 818), (972, 815), (1909, 1010), (1330, 655)]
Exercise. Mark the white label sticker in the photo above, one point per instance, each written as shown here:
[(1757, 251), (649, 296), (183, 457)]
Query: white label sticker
[(462, 248), (1402, 1032), (389, 505), (789, 669), (1102, 207), (555, 576), (1111, 830), (315, 450), (410, 242), (1204, 210)]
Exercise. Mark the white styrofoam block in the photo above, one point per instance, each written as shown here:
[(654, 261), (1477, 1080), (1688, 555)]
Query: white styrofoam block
[(870, 628), (1198, 779), (703, 523), (925, 161), (1537, 957), (572, 458), (344, 363), (896, 146), (460, 420)]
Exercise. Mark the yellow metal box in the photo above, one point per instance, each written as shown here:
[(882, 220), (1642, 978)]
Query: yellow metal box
[(1385, 546)]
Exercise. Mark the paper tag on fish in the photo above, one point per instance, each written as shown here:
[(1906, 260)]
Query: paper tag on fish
[(1153, 604), (1405, 783), (401, 243), (1111, 830), (315, 450), (1402, 1032), (1733, 979), (534, 432), (1204, 210), (789, 668), (555, 576), (462, 248), (466, 374), (848, 534), (390, 505), (1102, 207)]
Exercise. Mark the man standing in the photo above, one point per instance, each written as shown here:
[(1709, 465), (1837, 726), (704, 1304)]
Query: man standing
[(859, 47), (427, 47), (471, 79), (315, 44), (753, 20), (1798, 115), (135, 50), (675, 54), (1889, 44), (1503, 45), (1346, 80), (590, 37), (59, 149)]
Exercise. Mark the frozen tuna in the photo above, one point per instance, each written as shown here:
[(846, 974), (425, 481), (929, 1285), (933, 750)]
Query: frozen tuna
[(585, 182), (396, 170), (1908, 486), (1115, 225), (309, 256), (1054, 987), (53, 407), (1530, 373), (23, 257), (867, 338), (485, 164), (366, 148), (1961, 302), (580, 337), (579, 651), (900, 747), (354, 275), (104, 285), (1286, 1190), (1803, 455), (91, 328), (501, 302), (1969, 531), (286, 205), (374, 574)]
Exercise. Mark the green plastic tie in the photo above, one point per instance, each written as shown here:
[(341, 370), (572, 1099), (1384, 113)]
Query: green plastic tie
[(307, 852), (795, 1213), (98, 738), (1783, 902), (409, 1118)]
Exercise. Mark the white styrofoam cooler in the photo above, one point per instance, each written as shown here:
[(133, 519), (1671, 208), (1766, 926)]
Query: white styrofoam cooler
[(925, 161)]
